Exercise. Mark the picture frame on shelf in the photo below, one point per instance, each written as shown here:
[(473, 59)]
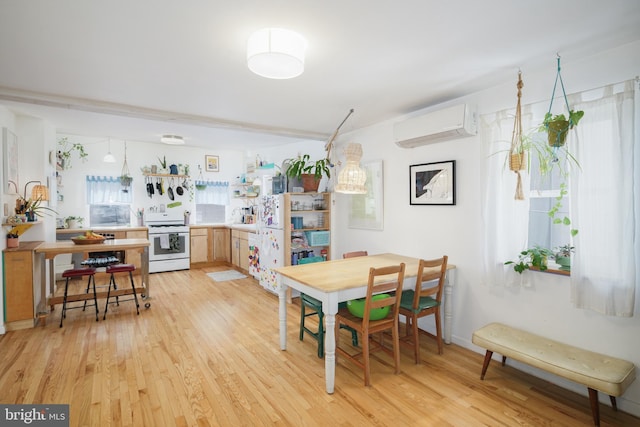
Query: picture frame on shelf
[(211, 163), (10, 156), (433, 183)]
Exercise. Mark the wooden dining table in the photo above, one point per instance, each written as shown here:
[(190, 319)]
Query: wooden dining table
[(49, 250), (341, 280)]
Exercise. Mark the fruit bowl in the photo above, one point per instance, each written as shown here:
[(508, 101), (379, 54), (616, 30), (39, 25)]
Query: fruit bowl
[(92, 241), (356, 307)]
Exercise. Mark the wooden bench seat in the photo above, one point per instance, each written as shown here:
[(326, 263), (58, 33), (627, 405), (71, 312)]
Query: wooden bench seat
[(596, 371)]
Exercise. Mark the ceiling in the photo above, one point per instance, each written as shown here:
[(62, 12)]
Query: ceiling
[(135, 70)]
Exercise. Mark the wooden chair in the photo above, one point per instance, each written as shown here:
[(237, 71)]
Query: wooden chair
[(424, 300), (385, 279)]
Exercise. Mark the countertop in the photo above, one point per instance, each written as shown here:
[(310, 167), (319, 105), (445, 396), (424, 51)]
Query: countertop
[(96, 229)]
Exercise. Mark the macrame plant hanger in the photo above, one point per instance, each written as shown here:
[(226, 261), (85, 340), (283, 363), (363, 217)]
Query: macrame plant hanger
[(555, 134), (516, 152)]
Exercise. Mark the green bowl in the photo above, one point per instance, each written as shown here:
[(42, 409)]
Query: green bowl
[(356, 307)]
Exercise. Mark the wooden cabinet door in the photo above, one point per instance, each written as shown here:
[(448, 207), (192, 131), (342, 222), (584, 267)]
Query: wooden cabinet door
[(221, 245), (18, 285), (199, 245), (244, 252)]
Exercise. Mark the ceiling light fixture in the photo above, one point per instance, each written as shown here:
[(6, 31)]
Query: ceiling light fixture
[(352, 177), (172, 139), (109, 158), (276, 53)]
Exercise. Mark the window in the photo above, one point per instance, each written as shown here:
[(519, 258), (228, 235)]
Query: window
[(212, 198), (109, 202)]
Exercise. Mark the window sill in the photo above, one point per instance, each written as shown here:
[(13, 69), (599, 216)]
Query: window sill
[(552, 271)]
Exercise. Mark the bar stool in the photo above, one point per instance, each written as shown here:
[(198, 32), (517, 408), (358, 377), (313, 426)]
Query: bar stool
[(73, 273), (120, 268)]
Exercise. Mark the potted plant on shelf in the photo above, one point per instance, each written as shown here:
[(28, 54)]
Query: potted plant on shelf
[(308, 171), (12, 240), (32, 208), (558, 125), (536, 257), (562, 256), (73, 221)]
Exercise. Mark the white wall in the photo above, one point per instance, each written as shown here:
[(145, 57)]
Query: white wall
[(432, 231)]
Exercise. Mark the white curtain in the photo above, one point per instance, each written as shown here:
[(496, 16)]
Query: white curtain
[(603, 271), (106, 190), (214, 193), (504, 219), (602, 199)]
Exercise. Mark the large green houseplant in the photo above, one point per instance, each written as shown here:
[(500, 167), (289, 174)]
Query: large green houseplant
[(308, 171), (558, 125)]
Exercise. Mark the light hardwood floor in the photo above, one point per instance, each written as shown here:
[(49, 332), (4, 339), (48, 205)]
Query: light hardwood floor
[(206, 354)]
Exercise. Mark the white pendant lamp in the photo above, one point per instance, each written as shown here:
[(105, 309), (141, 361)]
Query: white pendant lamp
[(276, 53), (109, 158), (172, 139), (352, 177)]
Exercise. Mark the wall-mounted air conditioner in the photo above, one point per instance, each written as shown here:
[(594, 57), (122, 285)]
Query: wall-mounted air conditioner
[(441, 125)]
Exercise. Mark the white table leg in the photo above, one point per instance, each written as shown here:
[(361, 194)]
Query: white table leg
[(330, 352), (282, 313), (448, 309)]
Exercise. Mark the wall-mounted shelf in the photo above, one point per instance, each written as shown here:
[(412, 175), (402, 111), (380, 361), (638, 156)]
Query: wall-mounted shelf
[(19, 229), (165, 175)]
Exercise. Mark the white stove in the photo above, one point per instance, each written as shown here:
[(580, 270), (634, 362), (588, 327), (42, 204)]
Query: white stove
[(169, 237)]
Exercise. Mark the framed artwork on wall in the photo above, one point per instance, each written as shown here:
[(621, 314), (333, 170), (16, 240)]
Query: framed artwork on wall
[(366, 210), (433, 183), (10, 160), (211, 164)]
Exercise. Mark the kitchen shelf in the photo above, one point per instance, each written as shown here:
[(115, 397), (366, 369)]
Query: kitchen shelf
[(165, 175), (20, 228)]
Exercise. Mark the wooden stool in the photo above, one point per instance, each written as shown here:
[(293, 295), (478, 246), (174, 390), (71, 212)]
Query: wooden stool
[(78, 272), (120, 268)]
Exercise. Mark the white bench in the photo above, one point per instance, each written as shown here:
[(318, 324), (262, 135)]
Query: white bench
[(596, 371)]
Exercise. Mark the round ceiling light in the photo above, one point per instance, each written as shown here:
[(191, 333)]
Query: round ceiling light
[(172, 139), (276, 53)]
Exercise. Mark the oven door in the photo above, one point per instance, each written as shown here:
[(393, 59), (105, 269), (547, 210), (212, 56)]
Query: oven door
[(168, 246)]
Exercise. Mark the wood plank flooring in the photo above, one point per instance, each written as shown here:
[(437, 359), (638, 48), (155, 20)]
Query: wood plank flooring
[(207, 354)]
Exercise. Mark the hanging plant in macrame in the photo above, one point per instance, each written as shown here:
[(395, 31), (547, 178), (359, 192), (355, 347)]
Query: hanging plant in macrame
[(517, 151)]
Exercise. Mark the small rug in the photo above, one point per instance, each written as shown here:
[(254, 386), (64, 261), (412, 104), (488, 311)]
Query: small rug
[(222, 276)]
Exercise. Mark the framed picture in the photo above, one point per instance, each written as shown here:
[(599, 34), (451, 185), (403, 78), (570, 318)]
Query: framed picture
[(433, 183), (366, 210), (211, 164), (10, 156)]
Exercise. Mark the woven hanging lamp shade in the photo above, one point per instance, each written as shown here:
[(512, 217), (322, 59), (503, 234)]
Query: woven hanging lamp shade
[(352, 177)]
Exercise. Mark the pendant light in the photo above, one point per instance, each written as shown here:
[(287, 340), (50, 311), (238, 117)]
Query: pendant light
[(109, 158), (276, 53), (352, 177)]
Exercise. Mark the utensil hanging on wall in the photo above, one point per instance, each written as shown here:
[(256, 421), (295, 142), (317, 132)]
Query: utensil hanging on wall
[(170, 190)]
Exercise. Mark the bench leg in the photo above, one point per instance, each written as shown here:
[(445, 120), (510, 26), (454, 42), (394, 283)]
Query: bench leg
[(595, 408), (613, 403), (485, 365)]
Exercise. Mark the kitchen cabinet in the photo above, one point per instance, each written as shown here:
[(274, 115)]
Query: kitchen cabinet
[(19, 294), (240, 249), (210, 245), (199, 245), (307, 225), (221, 244)]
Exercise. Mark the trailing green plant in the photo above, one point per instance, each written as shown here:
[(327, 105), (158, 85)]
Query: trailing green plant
[(536, 256), (303, 164), (65, 148), (549, 119)]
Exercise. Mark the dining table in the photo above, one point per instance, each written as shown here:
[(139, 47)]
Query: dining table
[(335, 281), (49, 250)]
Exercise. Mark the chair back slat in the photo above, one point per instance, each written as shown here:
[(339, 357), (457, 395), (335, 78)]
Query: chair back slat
[(355, 254), (392, 276), (424, 279)]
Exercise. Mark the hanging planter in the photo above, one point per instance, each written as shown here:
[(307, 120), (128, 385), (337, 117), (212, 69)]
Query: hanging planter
[(558, 126), (517, 150), (125, 177)]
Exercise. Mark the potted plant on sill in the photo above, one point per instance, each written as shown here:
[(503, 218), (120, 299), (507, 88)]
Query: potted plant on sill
[(308, 171), (536, 257), (562, 256), (12, 240), (73, 221)]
